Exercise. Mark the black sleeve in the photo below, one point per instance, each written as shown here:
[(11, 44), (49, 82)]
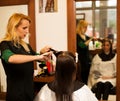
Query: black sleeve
[(3, 46)]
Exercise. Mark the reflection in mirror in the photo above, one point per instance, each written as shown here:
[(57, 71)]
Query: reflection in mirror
[(101, 18)]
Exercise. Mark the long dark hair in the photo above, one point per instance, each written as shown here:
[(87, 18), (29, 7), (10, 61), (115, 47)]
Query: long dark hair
[(65, 76), (109, 41), (111, 54)]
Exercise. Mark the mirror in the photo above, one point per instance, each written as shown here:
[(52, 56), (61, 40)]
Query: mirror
[(71, 18), (7, 11), (101, 16), (30, 6)]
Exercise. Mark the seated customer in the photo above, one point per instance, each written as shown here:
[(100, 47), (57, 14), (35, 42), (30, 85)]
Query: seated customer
[(102, 77), (65, 87)]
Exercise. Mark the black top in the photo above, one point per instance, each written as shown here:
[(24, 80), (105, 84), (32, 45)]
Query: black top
[(19, 76), (84, 58), (83, 51), (106, 57)]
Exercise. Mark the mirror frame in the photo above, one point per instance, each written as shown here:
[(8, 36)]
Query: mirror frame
[(31, 13), (71, 25), (71, 16)]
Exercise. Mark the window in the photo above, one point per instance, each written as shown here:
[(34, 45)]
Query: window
[(101, 16)]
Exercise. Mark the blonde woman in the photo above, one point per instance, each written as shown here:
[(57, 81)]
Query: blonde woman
[(17, 58), (82, 49)]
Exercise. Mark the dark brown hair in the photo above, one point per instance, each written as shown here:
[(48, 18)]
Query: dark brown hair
[(65, 76)]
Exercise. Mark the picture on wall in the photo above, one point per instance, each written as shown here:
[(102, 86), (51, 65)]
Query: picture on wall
[(48, 6)]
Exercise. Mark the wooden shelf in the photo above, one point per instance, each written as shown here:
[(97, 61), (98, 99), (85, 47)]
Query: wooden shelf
[(2, 95), (45, 79)]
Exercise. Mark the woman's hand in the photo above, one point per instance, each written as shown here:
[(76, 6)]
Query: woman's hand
[(45, 49), (45, 56)]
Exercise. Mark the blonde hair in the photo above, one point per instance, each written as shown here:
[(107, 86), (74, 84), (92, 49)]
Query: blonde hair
[(11, 35), (81, 24)]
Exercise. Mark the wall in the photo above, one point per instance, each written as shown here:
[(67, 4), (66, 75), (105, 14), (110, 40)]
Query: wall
[(51, 28)]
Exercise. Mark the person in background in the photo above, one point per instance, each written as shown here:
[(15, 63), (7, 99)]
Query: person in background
[(65, 86), (17, 58), (110, 34), (102, 77), (82, 49)]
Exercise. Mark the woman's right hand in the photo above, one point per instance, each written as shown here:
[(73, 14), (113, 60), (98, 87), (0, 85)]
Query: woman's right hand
[(45, 56)]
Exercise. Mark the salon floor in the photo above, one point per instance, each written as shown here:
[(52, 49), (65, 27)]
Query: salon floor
[(111, 98)]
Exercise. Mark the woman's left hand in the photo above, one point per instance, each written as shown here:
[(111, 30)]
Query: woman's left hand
[(45, 49)]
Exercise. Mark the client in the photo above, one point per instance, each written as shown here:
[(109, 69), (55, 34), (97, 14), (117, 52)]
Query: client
[(65, 87)]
